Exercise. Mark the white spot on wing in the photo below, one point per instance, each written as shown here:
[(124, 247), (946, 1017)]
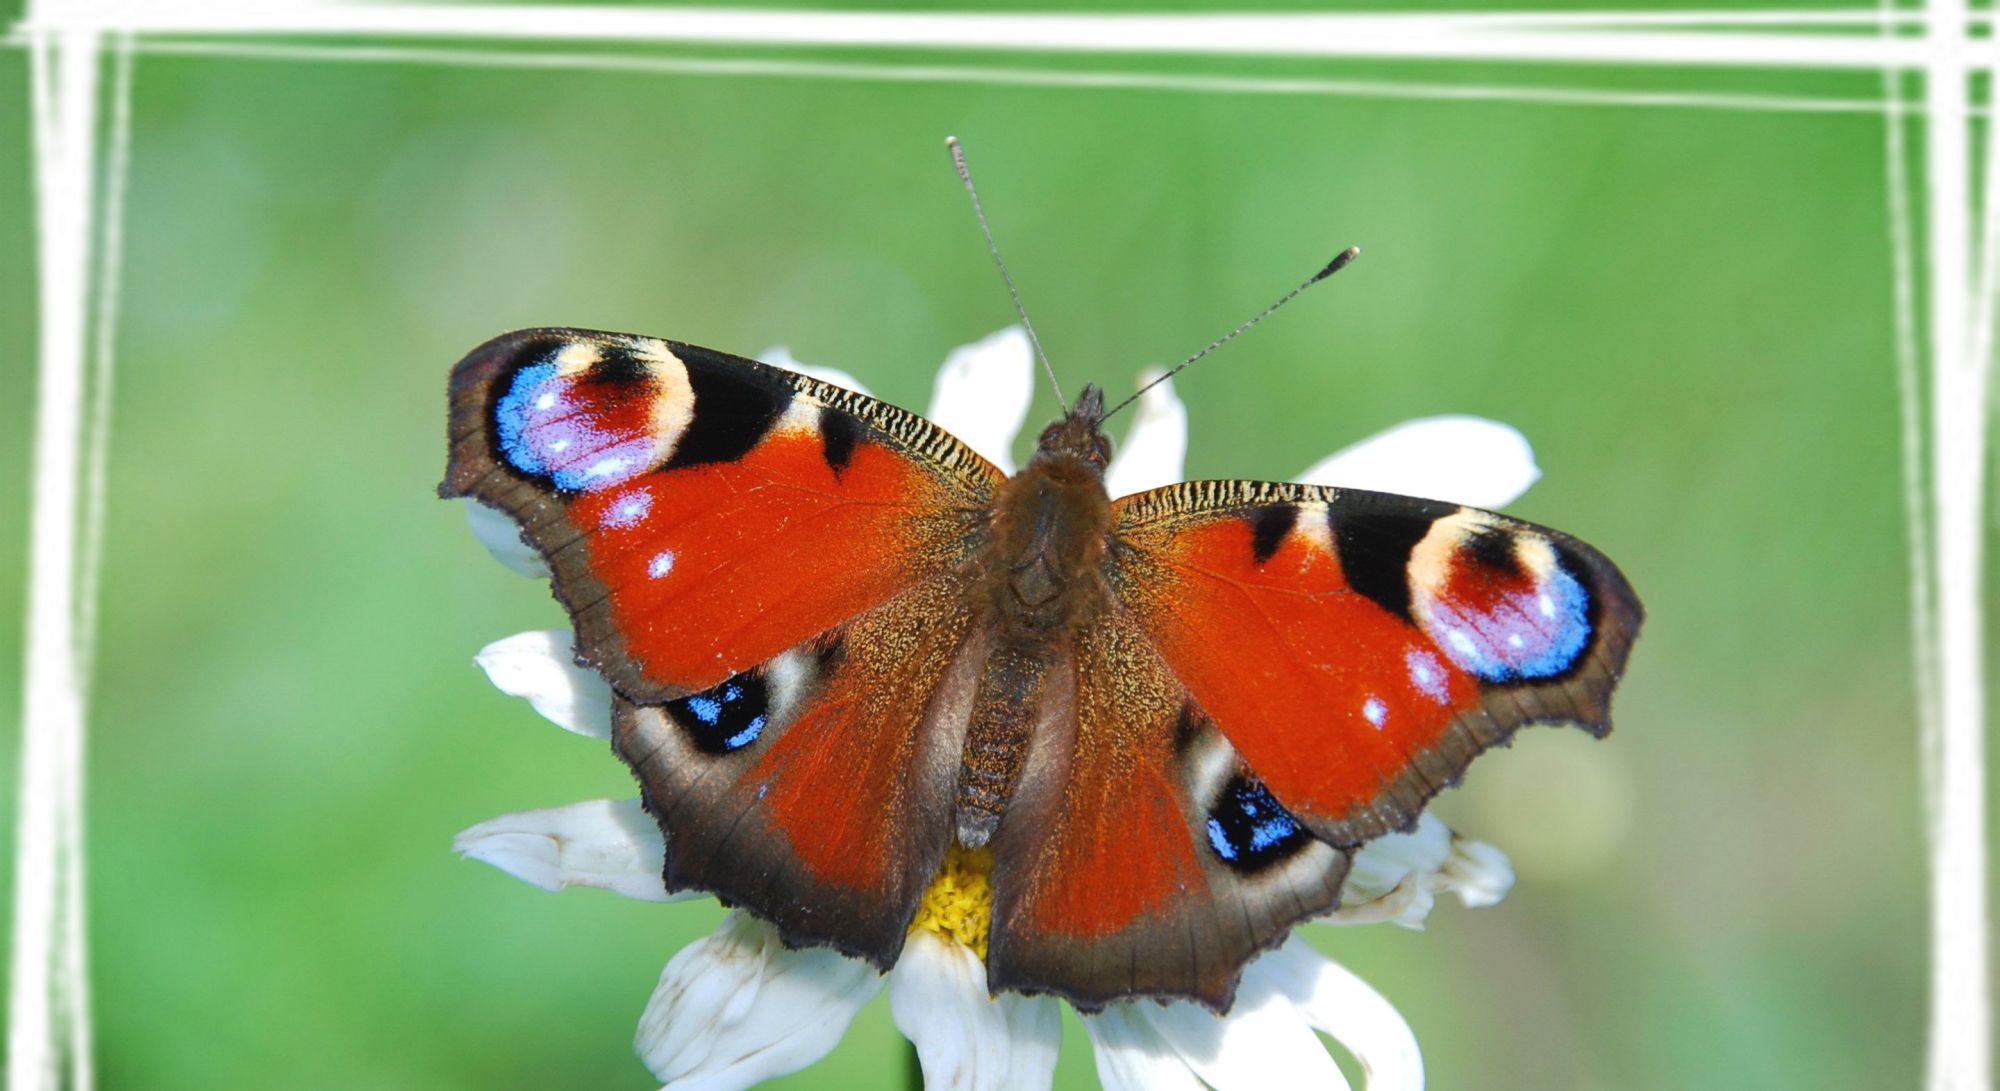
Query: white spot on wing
[(629, 509), (1376, 711), (604, 467), (1427, 675), (661, 564), (800, 416), (787, 677), (577, 356), (673, 401)]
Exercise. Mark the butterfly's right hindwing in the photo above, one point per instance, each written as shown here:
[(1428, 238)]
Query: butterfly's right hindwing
[(816, 790)]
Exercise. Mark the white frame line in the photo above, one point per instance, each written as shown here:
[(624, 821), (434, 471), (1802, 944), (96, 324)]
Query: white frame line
[(49, 1019), (1960, 986), (486, 56), (46, 987), (1400, 36)]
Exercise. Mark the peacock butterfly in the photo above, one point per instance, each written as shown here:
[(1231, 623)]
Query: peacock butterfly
[(840, 642)]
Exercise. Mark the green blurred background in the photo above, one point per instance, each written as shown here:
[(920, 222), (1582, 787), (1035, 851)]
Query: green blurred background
[(1687, 311)]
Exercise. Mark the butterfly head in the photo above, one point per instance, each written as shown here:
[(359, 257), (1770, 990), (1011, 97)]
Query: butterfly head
[(1080, 432)]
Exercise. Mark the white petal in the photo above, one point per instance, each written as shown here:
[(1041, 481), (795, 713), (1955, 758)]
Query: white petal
[(1398, 877), (982, 394), (781, 356), (1155, 449), (1464, 460), (967, 1040), (1478, 873), (1344, 1006), (1385, 862), (608, 843), (540, 666), (737, 1008), (1262, 1043), (1131, 1055), (1409, 905), (502, 538)]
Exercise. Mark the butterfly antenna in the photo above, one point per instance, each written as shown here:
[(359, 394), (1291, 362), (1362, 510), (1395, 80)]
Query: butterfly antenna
[(965, 176), (1336, 265)]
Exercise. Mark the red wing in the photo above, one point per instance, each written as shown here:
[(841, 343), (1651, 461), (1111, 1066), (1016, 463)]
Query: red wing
[(1359, 649), (1139, 855), (816, 790), (701, 512)]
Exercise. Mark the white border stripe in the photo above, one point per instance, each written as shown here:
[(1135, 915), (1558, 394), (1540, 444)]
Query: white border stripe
[(64, 75), (1958, 1055), (652, 64), (1412, 36), (1910, 403), (73, 993), (1947, 603)]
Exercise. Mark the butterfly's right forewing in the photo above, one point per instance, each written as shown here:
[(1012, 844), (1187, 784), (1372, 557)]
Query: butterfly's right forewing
[(703, 513), (768, 571)]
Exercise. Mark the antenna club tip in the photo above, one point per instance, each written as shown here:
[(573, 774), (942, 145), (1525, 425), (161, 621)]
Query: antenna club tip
[(1338, 263), (951, 142)]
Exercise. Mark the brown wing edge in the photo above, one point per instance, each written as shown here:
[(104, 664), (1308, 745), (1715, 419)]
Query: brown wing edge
[(1214, 980)]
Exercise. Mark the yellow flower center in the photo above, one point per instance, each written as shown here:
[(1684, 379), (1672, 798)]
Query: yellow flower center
[(959, 903)]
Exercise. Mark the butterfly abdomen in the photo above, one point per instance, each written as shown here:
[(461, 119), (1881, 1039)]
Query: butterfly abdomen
[(1042, 570), (996, 741)]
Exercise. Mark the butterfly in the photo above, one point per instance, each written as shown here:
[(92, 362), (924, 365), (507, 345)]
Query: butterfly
[(842, 643)]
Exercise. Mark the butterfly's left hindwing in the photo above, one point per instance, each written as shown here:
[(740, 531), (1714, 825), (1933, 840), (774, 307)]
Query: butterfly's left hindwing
[(1360, 649), (1141, 856)]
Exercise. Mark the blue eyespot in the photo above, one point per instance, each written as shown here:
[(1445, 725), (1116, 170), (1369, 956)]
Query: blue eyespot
[(1532, 634), (533, 393), (726, 718), (547, 430), (1249, 830)]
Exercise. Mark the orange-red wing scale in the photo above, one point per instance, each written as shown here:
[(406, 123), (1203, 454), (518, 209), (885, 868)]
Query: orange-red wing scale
[(710, 569), (702, 513), (817, 788), (1359, 649), (1107, 876)]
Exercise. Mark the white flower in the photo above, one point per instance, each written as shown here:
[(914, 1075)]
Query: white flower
[(739, 1007)]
